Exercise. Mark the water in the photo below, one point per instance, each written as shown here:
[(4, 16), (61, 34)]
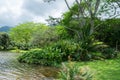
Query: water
[(11, 69)]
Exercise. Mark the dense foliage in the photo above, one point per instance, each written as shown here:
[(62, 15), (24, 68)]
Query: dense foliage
[(82, 34), (67, 50), (76, 36), (43, 57), (109, 32), (21, 35), (35, 35), (4, 41)]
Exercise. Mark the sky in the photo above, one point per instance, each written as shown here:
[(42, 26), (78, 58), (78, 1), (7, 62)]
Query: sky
[(14, 12)]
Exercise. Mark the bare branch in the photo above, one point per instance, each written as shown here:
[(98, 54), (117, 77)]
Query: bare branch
[(88, 6), (96, 6), (67, 5)]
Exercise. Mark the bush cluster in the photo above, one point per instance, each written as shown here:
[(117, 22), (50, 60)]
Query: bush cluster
[(65, 51), (43, 57)]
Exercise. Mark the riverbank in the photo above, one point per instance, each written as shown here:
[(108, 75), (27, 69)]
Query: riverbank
[(11, 69)]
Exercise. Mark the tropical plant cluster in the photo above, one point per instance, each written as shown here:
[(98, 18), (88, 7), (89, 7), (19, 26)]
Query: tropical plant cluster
[(80, 35)]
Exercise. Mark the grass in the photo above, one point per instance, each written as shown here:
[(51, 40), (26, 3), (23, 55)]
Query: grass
[(104, 70), (18, 51), (23, 51)]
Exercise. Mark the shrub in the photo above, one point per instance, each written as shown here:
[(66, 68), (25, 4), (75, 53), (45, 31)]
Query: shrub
[(65, 47), (71, 50), (75, 72), (109, 53), (86, 49), (42, 57), (110, 32), (4, 41), (51, 55), (66, 50)]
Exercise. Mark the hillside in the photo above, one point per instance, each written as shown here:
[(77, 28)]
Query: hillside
[(5, 29)]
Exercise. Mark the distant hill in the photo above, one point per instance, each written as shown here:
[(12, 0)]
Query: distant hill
[(5, 28)]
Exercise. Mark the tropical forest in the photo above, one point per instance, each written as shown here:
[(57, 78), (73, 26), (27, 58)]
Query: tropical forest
[(81, 44)]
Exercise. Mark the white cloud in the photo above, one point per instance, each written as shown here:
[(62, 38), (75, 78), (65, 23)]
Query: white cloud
[(13, 12), (10, 11)]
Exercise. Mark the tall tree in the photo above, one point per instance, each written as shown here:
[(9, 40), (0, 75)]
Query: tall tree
[(22, 34), (83, 15), (91, 9)]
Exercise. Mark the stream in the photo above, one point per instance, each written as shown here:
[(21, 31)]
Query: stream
[(11, 69)]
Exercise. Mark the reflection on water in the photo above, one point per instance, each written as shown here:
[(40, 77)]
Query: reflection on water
[(11, 69)]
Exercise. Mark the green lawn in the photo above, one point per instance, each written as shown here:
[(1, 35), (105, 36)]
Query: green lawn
[(104, 70)]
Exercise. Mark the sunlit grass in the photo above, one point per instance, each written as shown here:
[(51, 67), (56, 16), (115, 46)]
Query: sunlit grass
[(23, 51), (104, 70), (18, 51)]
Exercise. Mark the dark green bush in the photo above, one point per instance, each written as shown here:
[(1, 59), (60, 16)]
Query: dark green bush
[(4, 41), (109, 53), (109, 32)]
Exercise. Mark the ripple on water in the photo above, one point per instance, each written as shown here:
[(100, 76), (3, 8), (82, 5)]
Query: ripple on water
[(11, 69)]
